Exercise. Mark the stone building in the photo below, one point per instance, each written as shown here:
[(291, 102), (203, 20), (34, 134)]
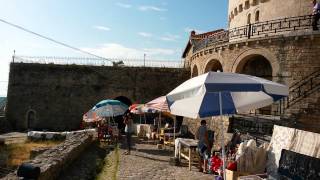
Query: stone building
[(270, 39)]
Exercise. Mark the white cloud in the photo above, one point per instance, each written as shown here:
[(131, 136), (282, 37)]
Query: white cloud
[(170, 37), (188, 30), (151, 8), (159, 51), (102, 28), (145, 34), (123, 5), (114, 50)]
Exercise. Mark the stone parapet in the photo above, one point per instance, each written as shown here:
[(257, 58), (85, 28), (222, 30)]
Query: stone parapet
[(46, 135), (53, 161)]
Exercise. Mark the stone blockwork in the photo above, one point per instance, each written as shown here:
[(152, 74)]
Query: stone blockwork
[(54, 97), (4, 125), (54, 160), (214, 124)]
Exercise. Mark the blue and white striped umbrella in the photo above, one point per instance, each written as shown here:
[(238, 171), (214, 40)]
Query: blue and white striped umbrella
[(199, 96), (217, 93), (110, 108)]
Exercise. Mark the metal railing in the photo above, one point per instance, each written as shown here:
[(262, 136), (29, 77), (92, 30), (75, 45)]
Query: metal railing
[(98, 62), (300, 90), (255, 30)]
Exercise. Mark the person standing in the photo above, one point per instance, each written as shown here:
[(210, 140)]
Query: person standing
[(315, 15), (203, 145), (128, 130)]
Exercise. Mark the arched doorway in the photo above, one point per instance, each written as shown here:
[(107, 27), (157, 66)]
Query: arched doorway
[(31, 119), (257, 65), (119, 119), (194, 71), (124, 99), (213, 65)]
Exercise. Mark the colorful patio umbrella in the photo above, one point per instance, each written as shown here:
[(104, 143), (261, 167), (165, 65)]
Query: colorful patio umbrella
[(110, 108), (137, 108), (91, 116), (159, 104), (216, 93)]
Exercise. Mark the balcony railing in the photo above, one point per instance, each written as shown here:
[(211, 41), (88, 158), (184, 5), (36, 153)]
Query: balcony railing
[(98, 62), (255, 30)]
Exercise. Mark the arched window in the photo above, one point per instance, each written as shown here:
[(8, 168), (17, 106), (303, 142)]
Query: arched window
[(249, 19), (257, 17), (246, 5), (31, 118), (240, 8)]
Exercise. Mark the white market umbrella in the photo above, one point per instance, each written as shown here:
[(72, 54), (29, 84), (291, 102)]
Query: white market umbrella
[(217, 93)]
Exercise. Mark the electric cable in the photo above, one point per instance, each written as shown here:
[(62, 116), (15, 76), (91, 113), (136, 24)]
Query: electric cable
[(53, 40)]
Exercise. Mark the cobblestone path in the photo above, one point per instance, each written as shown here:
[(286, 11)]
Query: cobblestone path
[(147, 162)]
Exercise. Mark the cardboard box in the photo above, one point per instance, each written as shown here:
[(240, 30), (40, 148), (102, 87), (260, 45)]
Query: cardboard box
[(234, 175)]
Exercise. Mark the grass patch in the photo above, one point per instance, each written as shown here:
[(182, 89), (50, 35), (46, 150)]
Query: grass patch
[(111, 166), (117, 163), (20, 152)]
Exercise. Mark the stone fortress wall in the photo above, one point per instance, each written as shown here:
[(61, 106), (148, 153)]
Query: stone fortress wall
[(55, 97), (243, 12)]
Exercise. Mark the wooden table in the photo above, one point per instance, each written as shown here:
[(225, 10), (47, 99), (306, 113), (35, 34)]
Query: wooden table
[(191, 144)]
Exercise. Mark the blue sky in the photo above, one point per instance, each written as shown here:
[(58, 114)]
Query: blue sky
[(109, 28)]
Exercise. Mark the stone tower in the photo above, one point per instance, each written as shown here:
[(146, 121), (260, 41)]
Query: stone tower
[(272, 39), (243, 12)]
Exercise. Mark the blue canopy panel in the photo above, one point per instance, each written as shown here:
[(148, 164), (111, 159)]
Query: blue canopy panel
[(210, 105), (216, 87)]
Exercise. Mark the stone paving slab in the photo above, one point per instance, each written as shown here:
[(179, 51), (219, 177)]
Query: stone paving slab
[(147, 162)]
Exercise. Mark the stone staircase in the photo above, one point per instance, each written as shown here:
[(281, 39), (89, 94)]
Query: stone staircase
[(301, 109), (304, 97)]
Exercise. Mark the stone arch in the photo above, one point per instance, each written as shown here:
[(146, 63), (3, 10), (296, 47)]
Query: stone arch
[(213, 65), (255, 65), (240, 61), (31, 118), (124, 100), (257, 62), (194, 71)]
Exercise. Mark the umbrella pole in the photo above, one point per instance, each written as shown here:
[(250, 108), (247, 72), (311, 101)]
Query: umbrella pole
[(222, 138), (159, 121), (174, 133), (140, 118), (145, 121)]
